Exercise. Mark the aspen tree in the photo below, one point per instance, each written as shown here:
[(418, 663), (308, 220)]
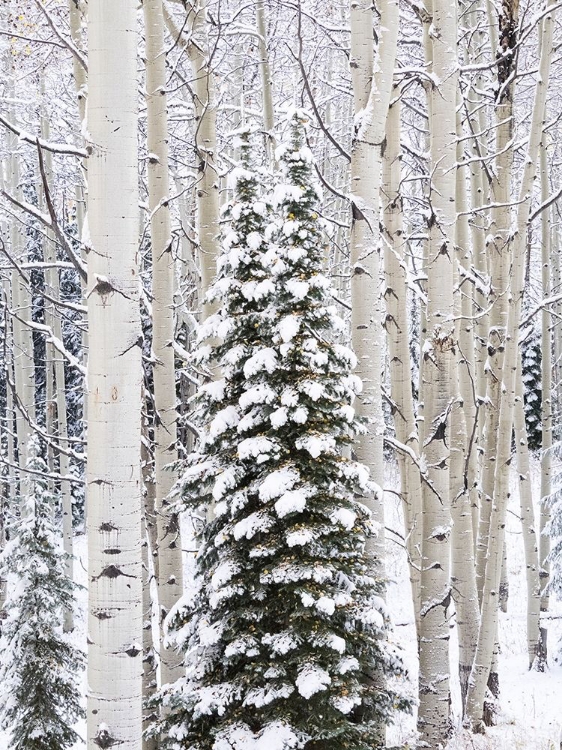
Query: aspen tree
[(372, 87), (267, 80), (55, 377), (165, 428), (489, 609), (546, 411), (527, 523), (463, 481), (439, 375), (193, 37), (396, 325), (114, 382), (499, 250)]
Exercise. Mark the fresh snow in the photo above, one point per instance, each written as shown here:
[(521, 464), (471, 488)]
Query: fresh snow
[(288, 328), (293, 501), (274, 736), (276, 483), (312, 679)]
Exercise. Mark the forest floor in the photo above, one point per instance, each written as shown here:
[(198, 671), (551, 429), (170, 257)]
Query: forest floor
[(531, 702), (530, 716)]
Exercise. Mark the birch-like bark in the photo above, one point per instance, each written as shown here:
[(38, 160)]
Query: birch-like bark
[(193, 37), (76, 13), (439, 391), (149, 552), (165, 428), (267, 82), (114, 383), (463, 481), (396, 325), (24, 364), (546, 409), (55, 368), (372, 87), (527, 522), (499, 249), (489, 608)]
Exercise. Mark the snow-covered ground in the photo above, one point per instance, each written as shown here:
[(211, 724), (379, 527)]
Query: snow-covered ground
[(531, 703)]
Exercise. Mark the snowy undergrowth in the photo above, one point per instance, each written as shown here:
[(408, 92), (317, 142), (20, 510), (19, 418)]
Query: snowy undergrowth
[(530, 716)]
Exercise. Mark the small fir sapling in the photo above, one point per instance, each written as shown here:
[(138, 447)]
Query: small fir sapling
[(39, 668), (286, 625)]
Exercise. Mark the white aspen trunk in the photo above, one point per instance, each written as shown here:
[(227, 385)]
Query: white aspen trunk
[(114, 383), (170, 584), (489, 610), (76, 13), (527, 523), (439, 390), (396, 325), (267, 81), (464, 470), (427, 24), (547, 422), (556, 286), (56, 380), (24, 365), (196, 43), (149, 681), (371, 95), (500, 259), (206, 146)]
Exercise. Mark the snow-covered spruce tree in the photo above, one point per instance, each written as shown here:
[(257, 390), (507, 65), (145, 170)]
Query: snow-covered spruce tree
[(531, 356), (286, 627), (39, 668)]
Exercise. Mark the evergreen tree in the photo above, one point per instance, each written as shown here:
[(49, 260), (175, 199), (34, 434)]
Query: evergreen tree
[(531, 358), (39, 668), (286, 627)]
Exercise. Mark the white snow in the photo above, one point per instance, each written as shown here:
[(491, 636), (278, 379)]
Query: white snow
[(278, 418), (311, 680), (293, 501), (289, 397), (346, 703), (224, 482), (326, 605), (276, 483), (348, 664), (249, 526), (254, 240), (258, 394), (214, 389), (312, 388), (288, 328), (210, 634), (299, 289), (344, 516), (300, 537), (300, 415), (317, 444), (264, 359), (274, 736), (281, 643), (223, 420), (224, 573)]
